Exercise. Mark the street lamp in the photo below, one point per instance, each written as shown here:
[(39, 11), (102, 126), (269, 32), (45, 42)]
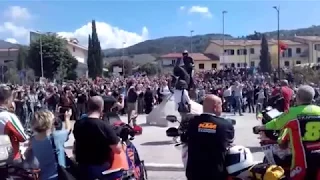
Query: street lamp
[(223, 38), (123, 43), (191, 40), (277, 8), (41, 54)]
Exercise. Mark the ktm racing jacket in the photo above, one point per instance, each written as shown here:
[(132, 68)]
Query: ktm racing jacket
[(300, 128), (10, 125)]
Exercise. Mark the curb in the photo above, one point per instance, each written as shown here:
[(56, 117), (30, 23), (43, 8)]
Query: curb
[(164, 167)]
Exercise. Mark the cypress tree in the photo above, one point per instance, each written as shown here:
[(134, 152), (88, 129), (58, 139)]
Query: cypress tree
[(96, 52), (90, 62), (265, 60)]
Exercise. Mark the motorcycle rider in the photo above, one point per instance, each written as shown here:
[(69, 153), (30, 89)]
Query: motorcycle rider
[(95, 141), (300, 128), (208, 137), (188, 66), (9, 122)]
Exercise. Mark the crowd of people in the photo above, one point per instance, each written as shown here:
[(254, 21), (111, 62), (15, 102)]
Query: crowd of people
[(43, 107)]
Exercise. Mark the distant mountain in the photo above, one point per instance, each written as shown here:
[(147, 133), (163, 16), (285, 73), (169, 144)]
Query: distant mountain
[(199, 42), (289, 34), (168, 44)]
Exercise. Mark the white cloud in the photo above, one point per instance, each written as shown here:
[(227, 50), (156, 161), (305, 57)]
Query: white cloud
[(14, 30), (11, 40), (17, 13), (182, 8), (200, 10), (189, 23), (109, 36)]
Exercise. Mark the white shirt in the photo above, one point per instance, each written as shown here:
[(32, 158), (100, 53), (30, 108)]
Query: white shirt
[(165, 90), (177, 97), (227, 92)]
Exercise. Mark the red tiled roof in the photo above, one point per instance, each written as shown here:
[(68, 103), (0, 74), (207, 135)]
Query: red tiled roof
[(195, 56)]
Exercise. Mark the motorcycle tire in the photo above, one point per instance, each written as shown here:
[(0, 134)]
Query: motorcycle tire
[(144, 174)]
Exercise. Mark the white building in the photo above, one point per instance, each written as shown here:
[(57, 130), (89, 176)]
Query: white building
[(81, 54)]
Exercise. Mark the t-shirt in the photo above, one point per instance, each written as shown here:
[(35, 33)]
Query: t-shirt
[(42, 154), (93, 138)]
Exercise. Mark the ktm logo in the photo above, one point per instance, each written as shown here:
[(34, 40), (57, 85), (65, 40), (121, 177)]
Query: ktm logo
[(207, 125)]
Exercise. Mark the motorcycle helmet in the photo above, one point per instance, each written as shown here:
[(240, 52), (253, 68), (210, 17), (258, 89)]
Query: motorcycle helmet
[(238, 160)]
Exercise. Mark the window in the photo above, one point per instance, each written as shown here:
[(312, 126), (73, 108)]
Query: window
[(229, 51), (201, 66), (213, 65), (232, 65), (238, 65), (317, 47), (298, 50), (298, 62), (252, 64), (251, 50), (241, 52), (318, 59), (289, 52), (74, 49), (286, 63), (173, 62)]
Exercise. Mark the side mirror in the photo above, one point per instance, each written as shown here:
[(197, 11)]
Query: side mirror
[(172, 132), (172, 118)]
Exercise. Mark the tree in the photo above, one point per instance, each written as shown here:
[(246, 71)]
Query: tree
[(149, 68), (95, 56), (265, 60), (56, 57), (22, 58)]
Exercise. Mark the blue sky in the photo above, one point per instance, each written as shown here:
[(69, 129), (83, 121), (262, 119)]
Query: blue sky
[(134, 21)]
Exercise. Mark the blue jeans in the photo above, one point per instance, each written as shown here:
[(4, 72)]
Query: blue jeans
[(238, 100)]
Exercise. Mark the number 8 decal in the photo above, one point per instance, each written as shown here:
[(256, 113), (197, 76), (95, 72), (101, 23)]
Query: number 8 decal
[(312, 131)]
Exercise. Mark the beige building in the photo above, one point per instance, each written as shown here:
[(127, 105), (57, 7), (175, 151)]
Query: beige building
[(295, 54), (312, 44), (239, 53)]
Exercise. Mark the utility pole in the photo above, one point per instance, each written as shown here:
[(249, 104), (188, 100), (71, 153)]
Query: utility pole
[(223, 13), (277, 8), (41, 55), (191, 40), (123, 43)]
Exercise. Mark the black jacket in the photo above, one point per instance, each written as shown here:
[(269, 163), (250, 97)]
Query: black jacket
[(209, 137)]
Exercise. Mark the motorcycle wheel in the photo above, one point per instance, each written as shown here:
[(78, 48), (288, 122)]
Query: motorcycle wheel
[(144, 174)]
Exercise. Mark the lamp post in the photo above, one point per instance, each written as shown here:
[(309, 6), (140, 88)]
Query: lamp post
[(41, 54), (223, 38), (191, 40), (123, 43), (277, 8), (245, 52)]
